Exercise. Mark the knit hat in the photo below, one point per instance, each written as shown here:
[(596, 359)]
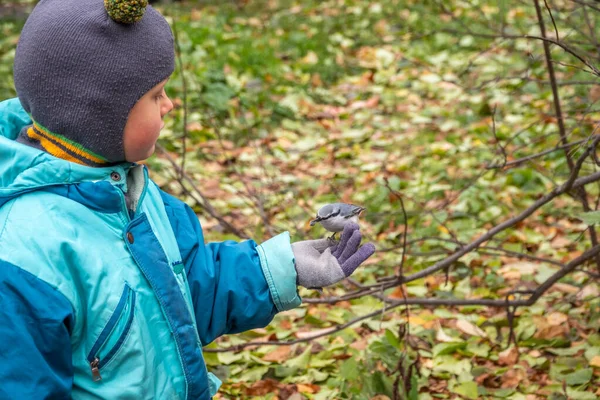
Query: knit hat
[(80, 67)]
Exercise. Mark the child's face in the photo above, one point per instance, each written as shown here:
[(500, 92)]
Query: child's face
[(145, 122)]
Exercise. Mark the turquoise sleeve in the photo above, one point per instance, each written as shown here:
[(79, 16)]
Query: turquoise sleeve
[(277, 262)]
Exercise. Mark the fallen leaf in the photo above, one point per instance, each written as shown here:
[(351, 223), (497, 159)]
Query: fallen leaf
[(512, 378), (442, 336), (307, 388), (360, 344), (595, 93), (508, 356), (399, 293), (280, 354), (556, 318), (262, 388), (551, 332), (369, 103), (560, 242), (470, 328), (310, 58), (565, 288), (595, 362), (590, 291), (517, 269)]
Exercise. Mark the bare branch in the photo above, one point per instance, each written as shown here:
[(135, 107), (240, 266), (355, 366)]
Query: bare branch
[(592, 69), (534, 156), (203, 201), (552, 18), (185, 108), (535, 295)]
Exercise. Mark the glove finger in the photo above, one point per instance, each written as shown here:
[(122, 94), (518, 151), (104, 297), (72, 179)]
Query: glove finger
[(358, 258), (349, 229), (351, 247)]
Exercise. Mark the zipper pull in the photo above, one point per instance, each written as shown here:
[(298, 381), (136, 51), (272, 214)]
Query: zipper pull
[(95, 371)]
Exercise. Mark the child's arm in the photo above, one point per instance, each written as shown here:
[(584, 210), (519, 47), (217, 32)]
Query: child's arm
[(35, 342), (35, 319), (12, 118), (234, 286)]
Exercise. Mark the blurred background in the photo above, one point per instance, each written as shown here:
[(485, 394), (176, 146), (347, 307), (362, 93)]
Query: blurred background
[(443, 119)]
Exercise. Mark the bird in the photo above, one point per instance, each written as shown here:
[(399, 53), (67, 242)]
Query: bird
[(334, 216)]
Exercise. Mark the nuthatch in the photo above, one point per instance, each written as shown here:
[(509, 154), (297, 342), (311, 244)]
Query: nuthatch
[(335, 216)]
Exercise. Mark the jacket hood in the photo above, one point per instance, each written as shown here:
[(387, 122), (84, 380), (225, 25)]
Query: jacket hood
[(25, 169)]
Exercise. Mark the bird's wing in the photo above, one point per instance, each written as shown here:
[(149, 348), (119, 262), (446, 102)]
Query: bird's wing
[(357, 210), (323, 218)]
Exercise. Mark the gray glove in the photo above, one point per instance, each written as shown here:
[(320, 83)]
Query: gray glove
[(324, 262)]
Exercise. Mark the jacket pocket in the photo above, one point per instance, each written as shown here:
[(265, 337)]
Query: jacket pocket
[(114, 333)]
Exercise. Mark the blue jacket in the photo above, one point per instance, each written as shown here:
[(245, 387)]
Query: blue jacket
[(99, 301)]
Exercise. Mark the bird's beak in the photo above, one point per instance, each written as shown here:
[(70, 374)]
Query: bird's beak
[(313, 222)]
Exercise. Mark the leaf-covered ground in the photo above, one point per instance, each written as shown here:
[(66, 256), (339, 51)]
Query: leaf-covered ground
[(292, 105)]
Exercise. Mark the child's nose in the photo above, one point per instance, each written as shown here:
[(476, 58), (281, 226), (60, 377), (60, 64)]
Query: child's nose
[(167, 106)]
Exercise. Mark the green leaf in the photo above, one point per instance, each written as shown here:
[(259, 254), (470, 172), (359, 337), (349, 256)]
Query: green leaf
[(211, 359), (467, 389), (392, 339), (349, 369), (579, 377), (452, 365), (481, 350), (314, 375), (301, 361), (448, 348), (253, 374), (579, 395), (414, 388), (590, 218), (229, 357)]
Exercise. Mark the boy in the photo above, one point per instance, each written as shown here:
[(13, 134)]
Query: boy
[(107, 289)]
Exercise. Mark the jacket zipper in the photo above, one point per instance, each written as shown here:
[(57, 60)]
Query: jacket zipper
[(95, 370), (93, 357)]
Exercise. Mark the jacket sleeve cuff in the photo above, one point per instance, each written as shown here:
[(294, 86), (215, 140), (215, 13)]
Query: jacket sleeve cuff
[(277, 262)]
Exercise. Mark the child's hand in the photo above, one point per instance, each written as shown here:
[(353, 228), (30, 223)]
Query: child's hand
[(323, 262)]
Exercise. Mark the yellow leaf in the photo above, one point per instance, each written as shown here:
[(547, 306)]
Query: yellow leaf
[(595, 362)]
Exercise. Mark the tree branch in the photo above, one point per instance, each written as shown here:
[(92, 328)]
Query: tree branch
[(203, 201), (535, 295)]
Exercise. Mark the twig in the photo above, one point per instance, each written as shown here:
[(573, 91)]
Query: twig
[(534, 156), (502, 148), (591, 27), (592, 69), (536, 294), (561, 124), (585, 3), (571, 183), (552, 18), (397, 196), (204, 203), (184, 84)]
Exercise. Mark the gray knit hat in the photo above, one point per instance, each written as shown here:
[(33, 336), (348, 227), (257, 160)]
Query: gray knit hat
[(79, 72)]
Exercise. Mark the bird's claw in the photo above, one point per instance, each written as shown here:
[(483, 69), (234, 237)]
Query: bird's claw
[(331, 239)]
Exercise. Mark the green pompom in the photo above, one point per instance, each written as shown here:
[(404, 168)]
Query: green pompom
[(126, 11)]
